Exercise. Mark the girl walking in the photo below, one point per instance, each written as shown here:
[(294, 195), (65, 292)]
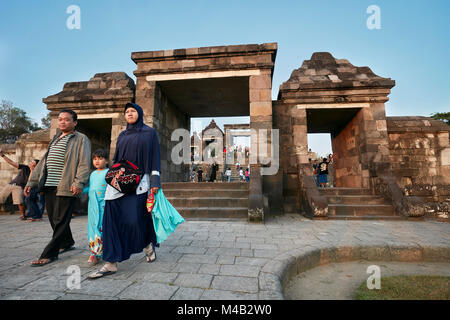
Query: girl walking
[(96, 191)]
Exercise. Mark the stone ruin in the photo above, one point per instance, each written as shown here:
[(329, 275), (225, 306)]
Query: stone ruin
[(404, 161)]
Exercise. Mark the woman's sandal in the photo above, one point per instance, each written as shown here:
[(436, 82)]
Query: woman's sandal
[(100, 273), (150, 254), (39, 263)]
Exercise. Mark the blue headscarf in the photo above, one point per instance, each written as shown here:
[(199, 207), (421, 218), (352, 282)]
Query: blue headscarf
[(139, 144), (140, 121)]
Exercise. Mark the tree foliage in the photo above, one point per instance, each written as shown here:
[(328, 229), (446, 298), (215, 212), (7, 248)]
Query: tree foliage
[(46, 121), (444, 116), (14, 122)]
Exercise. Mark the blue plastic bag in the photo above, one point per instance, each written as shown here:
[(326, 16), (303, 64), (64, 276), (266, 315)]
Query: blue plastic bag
[(165, 217)]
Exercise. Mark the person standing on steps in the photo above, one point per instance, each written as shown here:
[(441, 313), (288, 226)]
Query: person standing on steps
[(323, 173), (214, 169), (228, 174), (127, 225), (62, 174)]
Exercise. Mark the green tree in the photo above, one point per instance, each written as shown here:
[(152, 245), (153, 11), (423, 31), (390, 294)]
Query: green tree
[(14, 122), (46, 121), (444, 116)]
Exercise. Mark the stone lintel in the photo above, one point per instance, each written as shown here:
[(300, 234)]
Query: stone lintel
[(334, 106), (99, 115), (203, 75), (200, 52)]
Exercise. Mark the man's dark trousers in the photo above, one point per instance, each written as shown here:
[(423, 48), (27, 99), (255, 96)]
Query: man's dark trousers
[(59, 211)]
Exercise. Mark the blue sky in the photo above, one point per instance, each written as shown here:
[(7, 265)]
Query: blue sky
[(38, 53)]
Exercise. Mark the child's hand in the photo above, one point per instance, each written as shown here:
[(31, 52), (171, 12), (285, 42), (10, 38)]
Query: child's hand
[(75, 190), (154, 190)]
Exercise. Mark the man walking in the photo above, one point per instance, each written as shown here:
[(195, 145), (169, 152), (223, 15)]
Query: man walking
[(15, 187), (62, 174)]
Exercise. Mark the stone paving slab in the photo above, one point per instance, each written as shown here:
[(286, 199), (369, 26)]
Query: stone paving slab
[(205, 260)]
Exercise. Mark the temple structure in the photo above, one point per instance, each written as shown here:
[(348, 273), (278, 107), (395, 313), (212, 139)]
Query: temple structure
[(385, 167)]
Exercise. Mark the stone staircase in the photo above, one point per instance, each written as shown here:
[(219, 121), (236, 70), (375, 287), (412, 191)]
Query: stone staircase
[(357, 204), (209, 200), (234, 172)]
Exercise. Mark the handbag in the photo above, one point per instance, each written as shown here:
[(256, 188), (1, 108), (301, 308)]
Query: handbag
[(150, 202), (124, 176)]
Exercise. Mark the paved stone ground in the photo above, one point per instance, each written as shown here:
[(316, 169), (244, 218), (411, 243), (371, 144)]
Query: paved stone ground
[(202, 260)]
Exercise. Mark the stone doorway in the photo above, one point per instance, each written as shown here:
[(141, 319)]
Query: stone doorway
[(343, 128), (99, 133), (175, 85)]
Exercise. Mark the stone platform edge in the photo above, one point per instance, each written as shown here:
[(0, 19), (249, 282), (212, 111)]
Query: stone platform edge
[(276, 273)]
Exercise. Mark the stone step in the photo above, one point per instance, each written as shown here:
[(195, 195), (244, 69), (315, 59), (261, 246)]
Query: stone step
[(356, 199), (360, 210), (204, 185), (220, 202), (343, 217), (205, 193), (344, 191), (205, 213)]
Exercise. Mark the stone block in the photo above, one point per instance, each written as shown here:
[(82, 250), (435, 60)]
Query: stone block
[(260, 82), (193, 280), (149, 291), (308, 260), (445, 157), (261, 108), (375, 253), (240, 284), (239, 270), (406, 254)]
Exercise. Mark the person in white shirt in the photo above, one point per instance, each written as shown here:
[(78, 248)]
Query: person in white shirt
[(228, 173)]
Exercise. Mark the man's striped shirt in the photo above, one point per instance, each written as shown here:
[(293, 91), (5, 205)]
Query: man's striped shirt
[(55, 161)]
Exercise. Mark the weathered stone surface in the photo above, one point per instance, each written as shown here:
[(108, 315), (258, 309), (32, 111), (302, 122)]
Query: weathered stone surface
[(324, 71)]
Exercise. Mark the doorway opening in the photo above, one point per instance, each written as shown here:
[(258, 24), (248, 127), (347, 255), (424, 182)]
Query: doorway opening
[(98, 131), (334, 134)]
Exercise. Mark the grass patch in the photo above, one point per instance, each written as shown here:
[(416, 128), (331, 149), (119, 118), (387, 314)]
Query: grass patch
[(407, 288)]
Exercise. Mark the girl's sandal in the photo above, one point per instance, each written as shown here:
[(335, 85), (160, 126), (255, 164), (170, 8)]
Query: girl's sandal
[(92, 262)]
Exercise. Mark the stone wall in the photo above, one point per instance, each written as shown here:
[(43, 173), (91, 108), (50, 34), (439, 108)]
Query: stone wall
[(7, 172), (420, 156), (285, 118), (166, 118), (346, 145), (28, 147), (102, 98)]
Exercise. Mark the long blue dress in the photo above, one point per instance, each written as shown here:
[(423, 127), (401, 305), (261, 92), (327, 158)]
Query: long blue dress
[(127, 226), (96, 192)]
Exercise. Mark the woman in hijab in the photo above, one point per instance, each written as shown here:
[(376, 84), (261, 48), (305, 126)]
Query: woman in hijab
[(127, 226)]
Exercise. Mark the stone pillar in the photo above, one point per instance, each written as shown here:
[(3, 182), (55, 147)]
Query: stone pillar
[(260, 118), (300, 134), (145, 97), (374, 145)]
